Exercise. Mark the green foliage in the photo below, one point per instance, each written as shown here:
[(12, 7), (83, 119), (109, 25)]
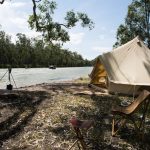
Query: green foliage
[(34, 53), (55, 31), (71, 19), (137, 23)]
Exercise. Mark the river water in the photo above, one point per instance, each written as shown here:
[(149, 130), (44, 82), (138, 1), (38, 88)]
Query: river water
[(25, 77)]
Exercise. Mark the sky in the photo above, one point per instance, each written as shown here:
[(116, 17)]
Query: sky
[(106, 14)]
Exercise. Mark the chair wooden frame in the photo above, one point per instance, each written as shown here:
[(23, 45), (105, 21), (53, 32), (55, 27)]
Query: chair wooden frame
[(126, 113), (81, 125), (80, 139)]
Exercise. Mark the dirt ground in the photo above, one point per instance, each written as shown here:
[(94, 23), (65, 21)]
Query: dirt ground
[(37, 118)]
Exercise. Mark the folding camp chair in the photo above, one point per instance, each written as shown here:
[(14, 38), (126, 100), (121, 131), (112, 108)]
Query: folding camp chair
[(126, 113), (78, 126)]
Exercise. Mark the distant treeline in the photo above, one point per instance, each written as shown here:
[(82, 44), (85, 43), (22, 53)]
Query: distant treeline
[(33, 52)]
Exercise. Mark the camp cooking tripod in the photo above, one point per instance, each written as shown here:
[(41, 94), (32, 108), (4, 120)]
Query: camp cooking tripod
[(9, 86)]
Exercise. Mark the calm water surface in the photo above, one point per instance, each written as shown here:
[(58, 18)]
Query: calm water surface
[(26, 77)]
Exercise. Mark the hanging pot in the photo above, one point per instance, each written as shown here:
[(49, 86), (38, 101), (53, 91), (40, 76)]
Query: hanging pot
[(9, 87)]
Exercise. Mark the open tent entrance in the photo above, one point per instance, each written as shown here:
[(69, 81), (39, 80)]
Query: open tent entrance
[(98, 75)]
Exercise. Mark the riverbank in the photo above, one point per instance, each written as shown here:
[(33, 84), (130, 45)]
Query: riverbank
[(37, 117)]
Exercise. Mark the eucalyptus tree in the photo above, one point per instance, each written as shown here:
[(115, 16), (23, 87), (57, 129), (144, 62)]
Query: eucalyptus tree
[(24, 48), (55, 31), (42, 21), (137, 23), (5, 49)]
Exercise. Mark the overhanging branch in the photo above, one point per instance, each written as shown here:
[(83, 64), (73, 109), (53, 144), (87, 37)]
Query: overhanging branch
[(37, 1), (2, 1), (34, 13), (63, 25), (35, 16), (38, 27)]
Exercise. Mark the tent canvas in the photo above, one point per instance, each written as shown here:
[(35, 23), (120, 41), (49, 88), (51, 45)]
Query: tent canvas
[(127, 67)]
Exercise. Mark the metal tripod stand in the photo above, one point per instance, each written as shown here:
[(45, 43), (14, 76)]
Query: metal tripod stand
[(9, 86)]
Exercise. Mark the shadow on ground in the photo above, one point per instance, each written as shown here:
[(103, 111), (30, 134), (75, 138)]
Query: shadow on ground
[(17, 111), (51, 120)]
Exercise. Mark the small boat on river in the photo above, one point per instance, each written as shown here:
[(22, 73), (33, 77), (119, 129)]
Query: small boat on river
[(52, 67)]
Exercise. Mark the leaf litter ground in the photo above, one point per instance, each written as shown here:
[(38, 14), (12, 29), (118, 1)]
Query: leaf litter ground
[(38, 119)]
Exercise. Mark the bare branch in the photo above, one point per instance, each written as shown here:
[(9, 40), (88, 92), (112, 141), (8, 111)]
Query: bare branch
[(37, 1), (2, 1), (34, 14), (64, 25)]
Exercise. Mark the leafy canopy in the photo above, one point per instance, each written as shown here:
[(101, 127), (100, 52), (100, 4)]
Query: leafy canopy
[(137, 23), (42, 21), (54, 31), (32, 52)]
